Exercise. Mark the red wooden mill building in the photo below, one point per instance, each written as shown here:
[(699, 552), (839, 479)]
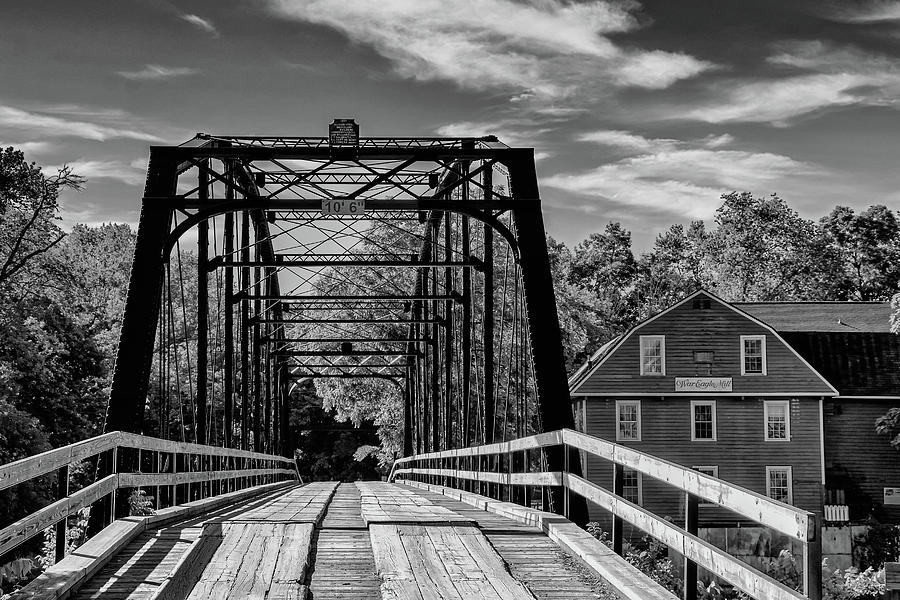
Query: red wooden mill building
[(778, 397)]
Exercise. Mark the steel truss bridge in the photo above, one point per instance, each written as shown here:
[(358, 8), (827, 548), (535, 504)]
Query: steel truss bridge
[(411, 273)]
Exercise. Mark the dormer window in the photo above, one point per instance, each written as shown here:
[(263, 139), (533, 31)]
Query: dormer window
[(753, 355), (653, 355), (703, 361)]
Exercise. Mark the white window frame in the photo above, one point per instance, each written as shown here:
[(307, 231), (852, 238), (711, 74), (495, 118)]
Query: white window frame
[(790, 481), (787, 420), (622, 403), (662, 353), (744, 372), (715, 473), (694, 437), (640, 486)]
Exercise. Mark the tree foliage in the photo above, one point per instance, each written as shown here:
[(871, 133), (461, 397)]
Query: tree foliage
[(29, 207)]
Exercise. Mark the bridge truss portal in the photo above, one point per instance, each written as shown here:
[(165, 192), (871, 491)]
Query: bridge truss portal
[(419, 262)]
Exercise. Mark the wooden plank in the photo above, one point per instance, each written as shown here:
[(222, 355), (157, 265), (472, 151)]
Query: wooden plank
[(628, 582), (292, 563), (398, 582), (133, 440), (703, 553), (23, 529), (787, 519), (432, 577), (153, 479), (67, 575), (187, 570), (541, 440), (40, 464)]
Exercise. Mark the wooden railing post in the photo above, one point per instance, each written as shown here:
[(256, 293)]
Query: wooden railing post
[(113, 469), (618, 479), (565, 487), (62, 490), (157, 459), (812, 562), (691, 523)]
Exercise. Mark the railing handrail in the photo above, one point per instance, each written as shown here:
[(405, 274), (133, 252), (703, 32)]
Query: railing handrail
[(696, 486), (789, 520), (30, 467), (215, 467)]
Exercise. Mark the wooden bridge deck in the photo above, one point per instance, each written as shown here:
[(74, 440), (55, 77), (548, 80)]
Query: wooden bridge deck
[(325, 541)]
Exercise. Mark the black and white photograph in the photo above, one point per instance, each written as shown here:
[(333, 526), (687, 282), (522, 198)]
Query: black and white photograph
[(450, 300)]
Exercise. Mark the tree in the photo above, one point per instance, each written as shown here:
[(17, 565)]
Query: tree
[(604, 265), (28, 213), (672, 269), (578, 309), (91, 267), (763, 250), (867, 246)]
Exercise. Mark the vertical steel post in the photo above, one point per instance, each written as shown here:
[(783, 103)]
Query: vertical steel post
[(435, 345), (489, 399), (448, 339), (131, 377), (257, 363), (466, 329), (229, 326), (407, 413), (202, 313), (545, 342), (245, 331)]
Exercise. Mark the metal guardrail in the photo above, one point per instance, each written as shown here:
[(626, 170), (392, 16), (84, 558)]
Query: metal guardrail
[(498, 468), (178, 471)]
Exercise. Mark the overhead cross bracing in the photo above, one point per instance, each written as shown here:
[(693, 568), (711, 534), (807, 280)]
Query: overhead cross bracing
[(419, 262)]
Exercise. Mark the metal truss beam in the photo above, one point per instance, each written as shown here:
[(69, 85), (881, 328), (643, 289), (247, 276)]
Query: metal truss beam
[(374, 321), (348, 298), (372, 340), (282, 261), (340, 353)]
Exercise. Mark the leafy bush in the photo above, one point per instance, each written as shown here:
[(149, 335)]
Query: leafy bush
[(651, 557), (852, 584), (140, 504), (16, 573), (879, 545)]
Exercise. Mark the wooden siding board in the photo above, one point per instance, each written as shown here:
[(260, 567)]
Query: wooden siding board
[(740, 451), (718, 329), (859, 461)]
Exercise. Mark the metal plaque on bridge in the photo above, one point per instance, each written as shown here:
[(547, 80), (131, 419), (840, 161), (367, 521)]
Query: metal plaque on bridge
[(343, 206), (343, 132)]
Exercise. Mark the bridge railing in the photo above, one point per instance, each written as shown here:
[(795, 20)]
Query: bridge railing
[(177, 472), (507, 469)]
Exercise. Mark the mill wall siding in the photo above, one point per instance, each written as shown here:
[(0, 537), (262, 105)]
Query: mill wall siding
[(717, 329), (740, 451), (852, 449)]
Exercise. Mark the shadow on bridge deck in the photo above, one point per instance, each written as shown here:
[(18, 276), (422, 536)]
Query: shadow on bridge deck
[(325, 541)]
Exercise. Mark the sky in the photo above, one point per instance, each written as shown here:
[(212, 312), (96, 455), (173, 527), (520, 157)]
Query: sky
[(639, 112)]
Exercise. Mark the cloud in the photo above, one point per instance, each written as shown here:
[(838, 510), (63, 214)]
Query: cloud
[(36, 124), (204, 25), (828, 77), (684, 178), (867, 12), (539, 50), (157, 72), (29, 148), (103, 169)]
